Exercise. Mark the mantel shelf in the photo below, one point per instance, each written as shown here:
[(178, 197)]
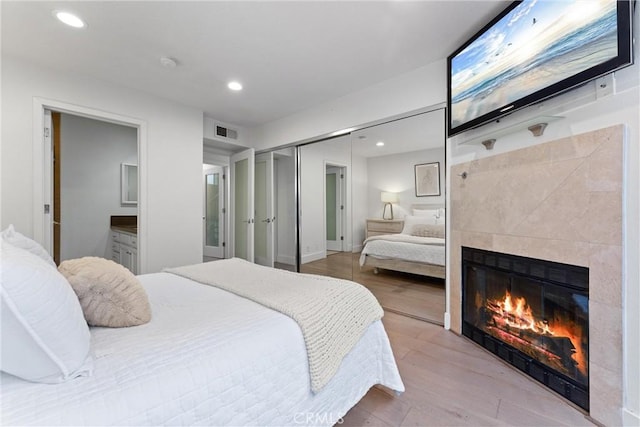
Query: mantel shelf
[(488, 138)]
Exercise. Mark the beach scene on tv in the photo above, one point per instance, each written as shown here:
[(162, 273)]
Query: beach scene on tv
[(537, 44)]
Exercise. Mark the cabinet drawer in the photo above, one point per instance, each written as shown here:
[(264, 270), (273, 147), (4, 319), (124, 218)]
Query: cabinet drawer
[(385, 226), (115, 236), (134, 241), (115, 247), (125, 239)]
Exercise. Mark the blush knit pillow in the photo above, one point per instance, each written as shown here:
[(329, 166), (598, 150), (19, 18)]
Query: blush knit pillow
[(109, 294)]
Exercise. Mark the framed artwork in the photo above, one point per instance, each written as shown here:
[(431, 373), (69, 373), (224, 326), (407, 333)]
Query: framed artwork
[(427, 179)]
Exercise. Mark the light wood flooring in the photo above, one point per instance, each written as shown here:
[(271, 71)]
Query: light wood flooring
[(450, 381), (416, 296)]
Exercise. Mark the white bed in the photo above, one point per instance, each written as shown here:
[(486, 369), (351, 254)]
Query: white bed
[(208, 357), (409, 251)]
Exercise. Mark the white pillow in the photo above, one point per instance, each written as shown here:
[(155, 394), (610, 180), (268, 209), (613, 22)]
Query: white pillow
[(44, 335), (410, 221), (23, 242), (426, 212)]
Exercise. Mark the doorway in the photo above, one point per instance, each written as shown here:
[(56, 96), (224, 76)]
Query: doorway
[(86, 198), (213, 227), (335, 191), (43, 177)]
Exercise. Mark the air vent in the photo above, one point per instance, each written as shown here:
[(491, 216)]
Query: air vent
[(226, 132)]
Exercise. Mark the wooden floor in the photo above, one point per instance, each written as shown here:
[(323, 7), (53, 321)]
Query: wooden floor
[(416, 296), (451, 381)]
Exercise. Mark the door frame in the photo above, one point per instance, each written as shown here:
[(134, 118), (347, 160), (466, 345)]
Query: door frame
[(43, 179), (343, 193)]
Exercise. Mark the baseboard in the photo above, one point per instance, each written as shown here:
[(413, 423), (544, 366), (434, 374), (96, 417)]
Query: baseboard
[(314, 256), (286, 259), (629, 418)]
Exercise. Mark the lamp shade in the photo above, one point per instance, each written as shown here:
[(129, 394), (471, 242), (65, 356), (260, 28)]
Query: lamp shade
[(387, 197)]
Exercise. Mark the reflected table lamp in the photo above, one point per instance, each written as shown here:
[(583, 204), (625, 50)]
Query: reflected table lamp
[(388, 199)]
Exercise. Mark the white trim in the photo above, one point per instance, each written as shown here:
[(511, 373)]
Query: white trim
[(39, 105), (314, 256), (286, 259), (629, 418), (447, 320)]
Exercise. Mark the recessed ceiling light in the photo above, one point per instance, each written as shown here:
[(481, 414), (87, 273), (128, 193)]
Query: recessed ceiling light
[(379, 144), (69, 18), (234, 85)]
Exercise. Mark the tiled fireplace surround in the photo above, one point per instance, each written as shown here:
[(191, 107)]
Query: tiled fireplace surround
[(558, 201)]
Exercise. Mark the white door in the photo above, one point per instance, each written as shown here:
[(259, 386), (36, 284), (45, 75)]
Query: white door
[(265, 212), (242, 201), (334, 208), (213, 215)]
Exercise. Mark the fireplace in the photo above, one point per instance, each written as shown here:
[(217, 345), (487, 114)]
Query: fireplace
[(531, 313)]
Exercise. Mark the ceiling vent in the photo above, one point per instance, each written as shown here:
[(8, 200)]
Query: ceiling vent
[(226, 132)]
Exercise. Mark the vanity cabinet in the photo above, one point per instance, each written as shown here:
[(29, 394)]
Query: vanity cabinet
[(124, 249)]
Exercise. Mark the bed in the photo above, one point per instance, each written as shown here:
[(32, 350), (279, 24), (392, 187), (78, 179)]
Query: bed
[(418, 249), (207, 357)]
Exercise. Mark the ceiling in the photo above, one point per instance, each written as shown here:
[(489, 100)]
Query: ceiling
[(289, 55), (420, 132)]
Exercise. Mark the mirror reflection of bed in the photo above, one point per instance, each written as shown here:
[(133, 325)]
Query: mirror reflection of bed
[(380, 165)]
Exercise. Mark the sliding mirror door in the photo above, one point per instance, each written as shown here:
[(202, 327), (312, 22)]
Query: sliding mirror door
[(326, 177), (403, 253)]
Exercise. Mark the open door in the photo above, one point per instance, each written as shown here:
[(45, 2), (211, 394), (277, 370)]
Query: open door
[(265, 211), (334, 207), (242, 202), (213, 215)]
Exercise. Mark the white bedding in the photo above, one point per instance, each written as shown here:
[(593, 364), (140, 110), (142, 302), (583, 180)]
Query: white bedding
[(428, 250), (207, 357)]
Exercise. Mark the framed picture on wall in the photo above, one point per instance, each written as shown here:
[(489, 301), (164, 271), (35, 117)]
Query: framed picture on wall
[(427, 179)]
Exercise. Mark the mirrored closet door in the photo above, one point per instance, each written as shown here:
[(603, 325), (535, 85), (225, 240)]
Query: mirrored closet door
[(398, 214)]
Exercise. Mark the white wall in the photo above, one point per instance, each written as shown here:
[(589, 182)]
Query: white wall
[(395, 173), (359, 201), (171, 221), (91, 155), (427, 86)]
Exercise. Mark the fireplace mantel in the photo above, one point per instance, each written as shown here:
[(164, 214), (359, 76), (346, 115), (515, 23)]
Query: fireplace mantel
[(559, 201)]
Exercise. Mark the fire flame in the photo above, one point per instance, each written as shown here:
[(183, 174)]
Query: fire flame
[(521, 316), (517, 314)]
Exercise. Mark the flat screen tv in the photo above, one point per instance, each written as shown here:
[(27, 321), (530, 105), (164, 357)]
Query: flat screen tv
[(533, 50)]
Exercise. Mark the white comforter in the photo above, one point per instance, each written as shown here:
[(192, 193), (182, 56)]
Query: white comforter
[(207, 357), (430, 250)]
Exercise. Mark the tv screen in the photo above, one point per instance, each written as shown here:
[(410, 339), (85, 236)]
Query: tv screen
[(533, 50)]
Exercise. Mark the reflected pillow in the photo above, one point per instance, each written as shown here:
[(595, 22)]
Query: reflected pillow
[(110, 295), (44, 335), (426, 212), (410, 221), (428, 230), (21, 241)]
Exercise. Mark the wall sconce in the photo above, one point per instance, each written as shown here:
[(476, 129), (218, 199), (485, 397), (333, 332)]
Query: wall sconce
[(388, 199)]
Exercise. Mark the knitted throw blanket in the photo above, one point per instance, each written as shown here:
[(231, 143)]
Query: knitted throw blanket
[(333, 314)]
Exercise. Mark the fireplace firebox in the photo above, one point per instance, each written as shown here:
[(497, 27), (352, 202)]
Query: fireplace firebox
[(531, 313)]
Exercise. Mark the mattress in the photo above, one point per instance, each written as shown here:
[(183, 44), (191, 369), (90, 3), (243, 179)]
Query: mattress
[(405, 247), (207, 357)]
